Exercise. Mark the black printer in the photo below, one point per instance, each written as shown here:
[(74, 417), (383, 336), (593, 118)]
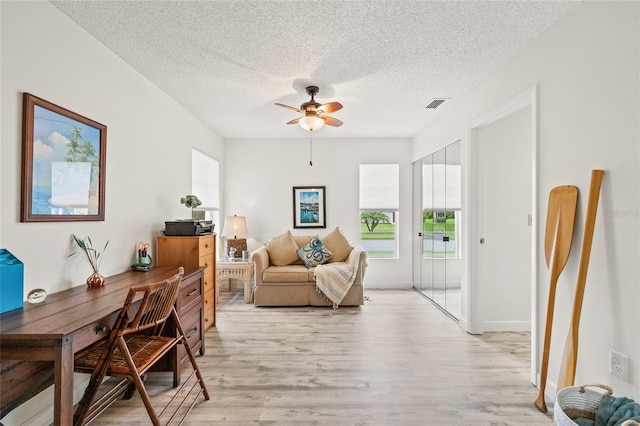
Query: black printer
[(188, 227)]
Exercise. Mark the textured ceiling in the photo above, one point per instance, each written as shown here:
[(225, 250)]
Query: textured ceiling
[(228, 62)]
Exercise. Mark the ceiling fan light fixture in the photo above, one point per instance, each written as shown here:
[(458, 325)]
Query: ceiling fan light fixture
[(311, 122)]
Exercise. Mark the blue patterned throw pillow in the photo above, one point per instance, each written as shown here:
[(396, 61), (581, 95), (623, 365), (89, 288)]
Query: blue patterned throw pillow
[(314, 253)]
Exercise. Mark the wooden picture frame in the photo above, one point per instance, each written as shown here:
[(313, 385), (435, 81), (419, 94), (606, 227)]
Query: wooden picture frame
[(309, 208), (63, 164)]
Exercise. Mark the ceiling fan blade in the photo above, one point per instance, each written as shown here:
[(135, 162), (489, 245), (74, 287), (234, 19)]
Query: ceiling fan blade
[(290, 107), (294, 121), (330, 121), (331, 107)]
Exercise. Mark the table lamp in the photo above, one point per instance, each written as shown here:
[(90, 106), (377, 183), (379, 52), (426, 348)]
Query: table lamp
[(234, 227)]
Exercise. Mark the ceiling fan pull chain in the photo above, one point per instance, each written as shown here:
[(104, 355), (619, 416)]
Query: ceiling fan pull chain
[(311, 148)]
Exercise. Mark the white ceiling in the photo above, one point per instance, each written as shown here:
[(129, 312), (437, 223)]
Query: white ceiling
[(228, 62)]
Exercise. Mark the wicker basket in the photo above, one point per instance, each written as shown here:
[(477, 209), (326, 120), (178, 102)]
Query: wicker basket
[(578, 401)]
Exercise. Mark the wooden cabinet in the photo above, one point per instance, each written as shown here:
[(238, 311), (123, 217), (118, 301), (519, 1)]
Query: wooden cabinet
[(190, 309), (193, 252)]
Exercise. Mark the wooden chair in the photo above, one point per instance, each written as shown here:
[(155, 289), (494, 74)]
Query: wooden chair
[(134, 344)]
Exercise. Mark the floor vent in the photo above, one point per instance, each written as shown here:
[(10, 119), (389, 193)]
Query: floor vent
[(435, 103)]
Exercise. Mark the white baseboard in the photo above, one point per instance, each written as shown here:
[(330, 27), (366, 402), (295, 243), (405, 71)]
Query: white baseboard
[(489, 326)]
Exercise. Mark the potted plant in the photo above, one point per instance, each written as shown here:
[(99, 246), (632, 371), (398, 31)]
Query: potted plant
[(192, 201), (92, 257)]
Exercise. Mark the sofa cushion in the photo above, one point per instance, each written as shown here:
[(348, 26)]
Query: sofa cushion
[(314, 253), (338, 245), (282, 249), (287, 274), (301, 240)]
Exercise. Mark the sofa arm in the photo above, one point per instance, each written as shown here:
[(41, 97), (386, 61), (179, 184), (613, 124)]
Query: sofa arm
[(361, 254), (261, 262)]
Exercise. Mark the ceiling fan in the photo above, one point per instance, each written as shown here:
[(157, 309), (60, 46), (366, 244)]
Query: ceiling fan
[(315, 114)]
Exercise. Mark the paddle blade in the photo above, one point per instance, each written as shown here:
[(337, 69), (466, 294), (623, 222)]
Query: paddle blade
[(560, 220)]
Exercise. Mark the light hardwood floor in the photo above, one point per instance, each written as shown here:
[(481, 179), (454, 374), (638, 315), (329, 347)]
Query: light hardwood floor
[(397, 360)]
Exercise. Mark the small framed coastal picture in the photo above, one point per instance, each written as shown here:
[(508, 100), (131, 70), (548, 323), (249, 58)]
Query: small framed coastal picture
[(63, 164), (309, 210)]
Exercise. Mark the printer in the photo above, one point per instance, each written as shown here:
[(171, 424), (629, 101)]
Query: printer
[(188, 227)]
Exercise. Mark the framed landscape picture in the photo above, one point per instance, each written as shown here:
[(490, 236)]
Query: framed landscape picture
[(63, 164), (309, 209)]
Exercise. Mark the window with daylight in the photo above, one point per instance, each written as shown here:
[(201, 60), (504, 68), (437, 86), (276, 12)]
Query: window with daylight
[(379, 204), (205, 184)]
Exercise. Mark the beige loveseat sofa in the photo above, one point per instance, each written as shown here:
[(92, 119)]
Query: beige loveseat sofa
[(283, 279)]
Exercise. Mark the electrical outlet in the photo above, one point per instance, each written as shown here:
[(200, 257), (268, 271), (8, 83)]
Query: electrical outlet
[(619, 365)]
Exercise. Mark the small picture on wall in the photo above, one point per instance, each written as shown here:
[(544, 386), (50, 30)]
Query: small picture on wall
[(63, 164), (309, 207)]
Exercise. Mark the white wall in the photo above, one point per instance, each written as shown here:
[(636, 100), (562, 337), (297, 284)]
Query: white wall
[(587, 68), (259, 185), (149, 139)]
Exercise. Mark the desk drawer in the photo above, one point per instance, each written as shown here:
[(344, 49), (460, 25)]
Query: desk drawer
[(206, 245), (93, 332), (206, 260), (209, 312), (192, 329), (208, 279), (190, 294)]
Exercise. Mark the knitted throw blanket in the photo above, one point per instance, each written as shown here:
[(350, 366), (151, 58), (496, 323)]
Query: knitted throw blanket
[(333, 280)]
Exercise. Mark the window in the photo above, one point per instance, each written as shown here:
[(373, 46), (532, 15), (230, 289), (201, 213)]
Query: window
[(205, 183), (379, 204)]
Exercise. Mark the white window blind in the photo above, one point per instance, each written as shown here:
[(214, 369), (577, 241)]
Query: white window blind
[(379, 186), (205, 180)]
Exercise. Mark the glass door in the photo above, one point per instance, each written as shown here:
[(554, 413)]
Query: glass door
[(438, 255), (453, 201), (425, 257), (439, 216)]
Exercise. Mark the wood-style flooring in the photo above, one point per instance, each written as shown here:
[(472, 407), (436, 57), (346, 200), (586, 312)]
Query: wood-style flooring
[(397, 360)]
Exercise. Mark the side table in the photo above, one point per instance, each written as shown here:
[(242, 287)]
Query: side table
[(238, 270)]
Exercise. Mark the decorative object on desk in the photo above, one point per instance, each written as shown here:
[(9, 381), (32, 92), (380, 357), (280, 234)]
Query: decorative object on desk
[(309, 209), (143, 258), (72, 187), (36, 296), (93, 258), (12, 279), (192, 201), (234, 227)]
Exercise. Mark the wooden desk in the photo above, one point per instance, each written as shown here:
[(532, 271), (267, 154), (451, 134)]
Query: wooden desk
[(64, 323)]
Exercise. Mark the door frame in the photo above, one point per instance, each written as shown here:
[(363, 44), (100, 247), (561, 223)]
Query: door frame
[(471, 318)]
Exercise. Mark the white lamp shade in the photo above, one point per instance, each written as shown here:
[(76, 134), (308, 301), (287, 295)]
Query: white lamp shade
[(235, 226), (311, 122)]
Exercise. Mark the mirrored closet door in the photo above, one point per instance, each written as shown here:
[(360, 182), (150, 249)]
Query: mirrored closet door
[(439, 219)]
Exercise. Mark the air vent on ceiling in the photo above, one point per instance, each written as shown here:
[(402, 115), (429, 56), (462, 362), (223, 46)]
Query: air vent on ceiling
[(435, 103)]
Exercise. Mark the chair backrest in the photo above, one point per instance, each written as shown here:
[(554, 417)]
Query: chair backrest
[(155, 307)]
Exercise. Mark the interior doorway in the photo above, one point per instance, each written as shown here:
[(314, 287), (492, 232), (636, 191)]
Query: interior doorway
[(501, 290)]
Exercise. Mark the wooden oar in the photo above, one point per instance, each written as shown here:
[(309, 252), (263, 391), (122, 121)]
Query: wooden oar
[(557, 245), (570, 357)]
